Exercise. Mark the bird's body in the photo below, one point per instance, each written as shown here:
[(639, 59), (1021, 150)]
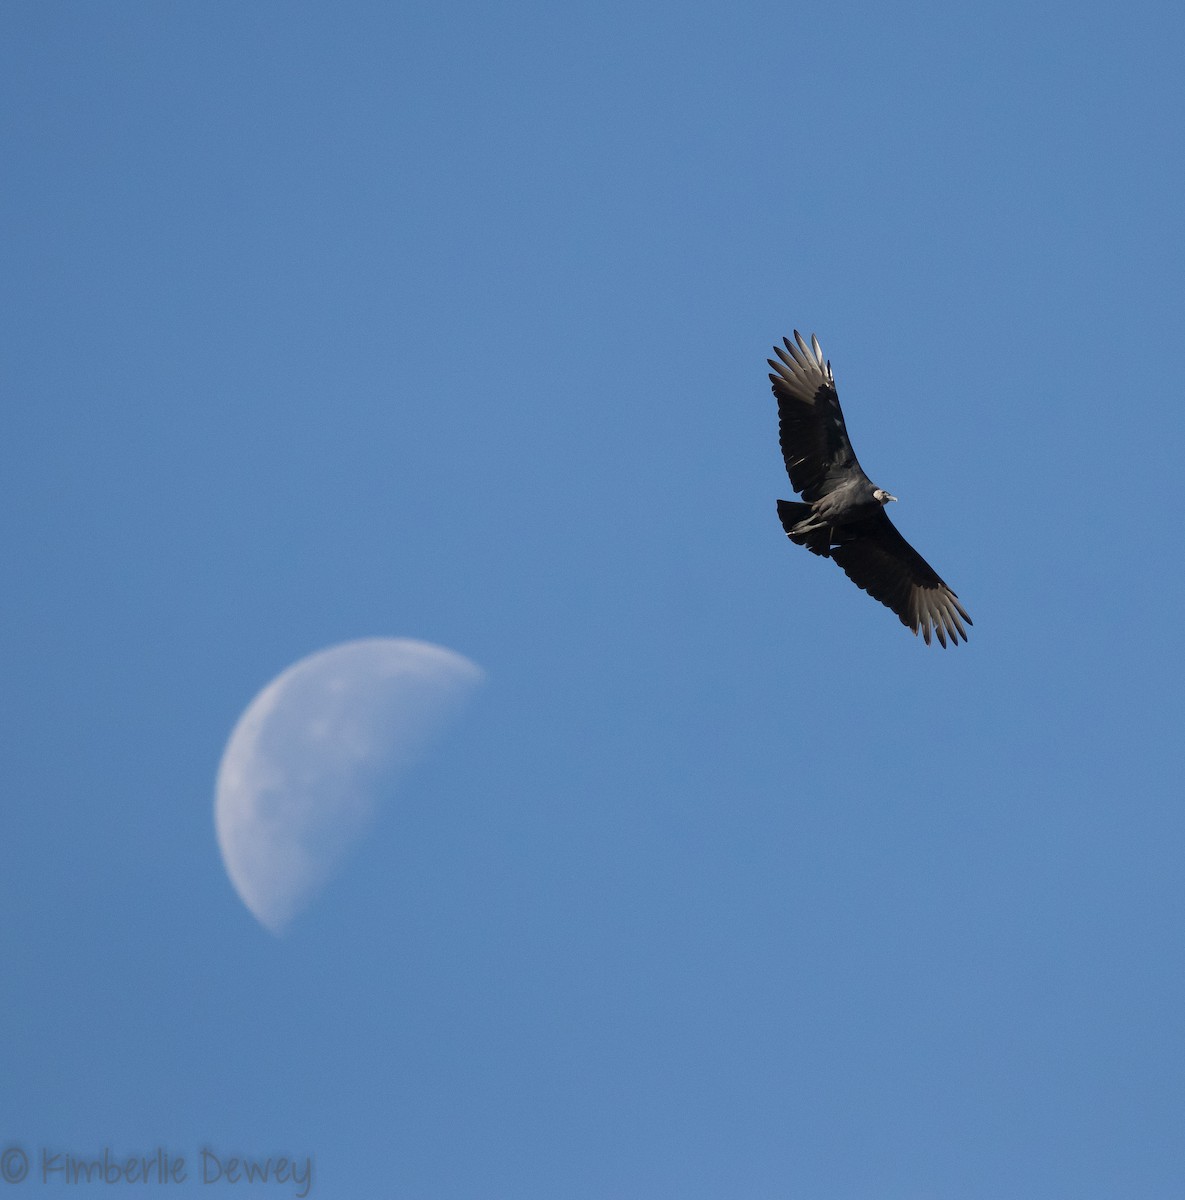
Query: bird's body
[(842, 512)]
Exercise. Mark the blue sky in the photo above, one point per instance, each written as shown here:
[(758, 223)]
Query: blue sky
[(449, 321)]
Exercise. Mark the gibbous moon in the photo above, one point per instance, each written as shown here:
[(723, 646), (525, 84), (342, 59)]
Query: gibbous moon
[(315, 754)]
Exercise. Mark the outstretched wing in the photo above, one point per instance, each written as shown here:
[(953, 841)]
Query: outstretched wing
[(814, 438), (878, 559)]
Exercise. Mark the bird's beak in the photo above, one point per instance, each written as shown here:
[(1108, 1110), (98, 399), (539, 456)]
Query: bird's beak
[(888, 497)]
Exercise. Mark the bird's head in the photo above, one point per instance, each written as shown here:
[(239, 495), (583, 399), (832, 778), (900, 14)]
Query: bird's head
[(883, 496)]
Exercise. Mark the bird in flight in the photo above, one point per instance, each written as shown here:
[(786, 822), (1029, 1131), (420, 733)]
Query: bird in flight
[(843, 512)]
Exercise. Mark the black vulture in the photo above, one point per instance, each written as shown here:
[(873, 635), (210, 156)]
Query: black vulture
[(843, 515)]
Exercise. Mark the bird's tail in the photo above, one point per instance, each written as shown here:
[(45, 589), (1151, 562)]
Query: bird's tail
[(803, 528)]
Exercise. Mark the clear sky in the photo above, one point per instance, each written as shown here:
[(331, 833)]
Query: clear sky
[(449, 321)]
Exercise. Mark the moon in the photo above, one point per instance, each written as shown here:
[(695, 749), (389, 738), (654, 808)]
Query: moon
[(315, 754)]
